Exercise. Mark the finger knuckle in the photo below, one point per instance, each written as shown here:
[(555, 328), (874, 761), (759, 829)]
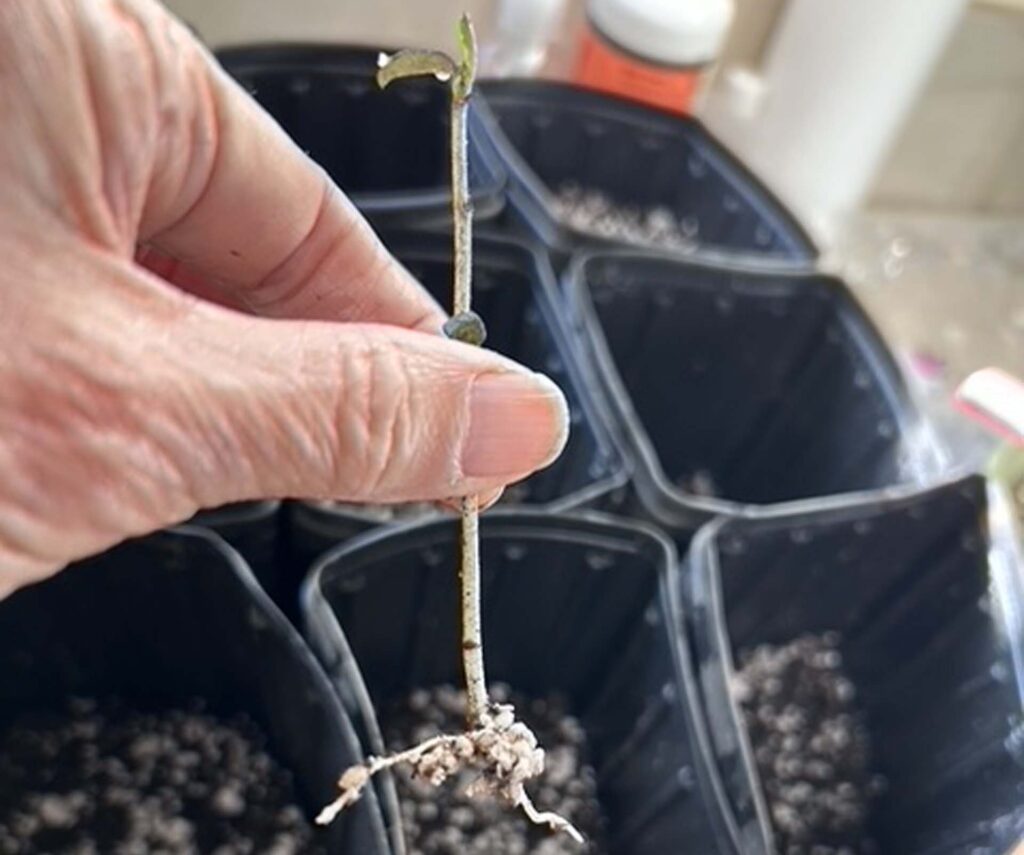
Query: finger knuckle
[(378, 413)]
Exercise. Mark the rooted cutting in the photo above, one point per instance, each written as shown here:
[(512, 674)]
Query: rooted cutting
[(502, 750)]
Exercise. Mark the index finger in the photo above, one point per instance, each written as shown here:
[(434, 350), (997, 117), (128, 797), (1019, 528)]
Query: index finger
[(237, 201)]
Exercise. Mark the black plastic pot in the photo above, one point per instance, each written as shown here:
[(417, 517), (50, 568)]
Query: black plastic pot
[(580, 606), (387, 149), (549, 135), (254, 529), (514, 291), (175, 617), (927, 594), (736, 387)]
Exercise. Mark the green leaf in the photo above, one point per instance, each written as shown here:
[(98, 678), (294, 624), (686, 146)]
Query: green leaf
[(415, 63), (465, 74), (467, 42)]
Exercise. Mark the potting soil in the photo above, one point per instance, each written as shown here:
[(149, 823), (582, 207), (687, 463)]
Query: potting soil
[(594, 213), (106, 779), (810, 745), (445, 821)]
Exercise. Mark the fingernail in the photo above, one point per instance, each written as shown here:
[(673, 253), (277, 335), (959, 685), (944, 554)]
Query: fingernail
[(517, 423)]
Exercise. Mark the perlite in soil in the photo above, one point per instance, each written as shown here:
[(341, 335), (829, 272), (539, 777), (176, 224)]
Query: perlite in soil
[(101, 777), (810, 744)]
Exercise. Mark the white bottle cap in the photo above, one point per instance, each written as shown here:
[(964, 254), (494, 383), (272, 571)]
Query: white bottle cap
[(672, 32)]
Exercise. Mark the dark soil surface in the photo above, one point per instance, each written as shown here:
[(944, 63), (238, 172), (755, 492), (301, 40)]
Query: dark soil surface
[(810, 745), (444, 821), (106, 779)]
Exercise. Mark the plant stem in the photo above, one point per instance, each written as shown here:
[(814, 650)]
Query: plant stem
[(462, 206), (477, 702), (462, 288)]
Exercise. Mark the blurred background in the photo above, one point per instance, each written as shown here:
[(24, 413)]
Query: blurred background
[(894, 129), (923, 189), (958, 144)]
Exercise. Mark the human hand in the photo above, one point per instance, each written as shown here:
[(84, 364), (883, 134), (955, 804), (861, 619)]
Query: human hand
[(192, 314)]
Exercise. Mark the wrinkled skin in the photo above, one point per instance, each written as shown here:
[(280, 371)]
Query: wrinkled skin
[(191, 313)]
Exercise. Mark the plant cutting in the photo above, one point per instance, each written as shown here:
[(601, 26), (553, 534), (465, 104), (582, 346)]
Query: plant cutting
[(500, 749)]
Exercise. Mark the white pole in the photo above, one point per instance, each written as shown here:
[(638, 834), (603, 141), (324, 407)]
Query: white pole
[(838, 79)]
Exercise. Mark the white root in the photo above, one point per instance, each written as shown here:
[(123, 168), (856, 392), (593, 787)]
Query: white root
[(503, 750), (549, 818), (355, 778)]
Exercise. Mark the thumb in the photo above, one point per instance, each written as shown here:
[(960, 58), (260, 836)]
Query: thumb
[(129, 405), (356, 412)]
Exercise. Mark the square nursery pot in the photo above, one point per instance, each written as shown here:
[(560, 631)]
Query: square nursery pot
[(582, 606), (734, 388), (553, 136), (252, 528), (387, 149), (514, 292), (926, 593), (175, 617)]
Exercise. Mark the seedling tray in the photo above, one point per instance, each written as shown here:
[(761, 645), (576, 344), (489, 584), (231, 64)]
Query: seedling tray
[(584, 607), (926, 593)]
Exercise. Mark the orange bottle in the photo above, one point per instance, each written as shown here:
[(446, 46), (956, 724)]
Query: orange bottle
[(653, 51)]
